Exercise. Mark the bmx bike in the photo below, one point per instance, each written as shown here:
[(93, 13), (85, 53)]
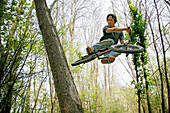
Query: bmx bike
[(121, 48)]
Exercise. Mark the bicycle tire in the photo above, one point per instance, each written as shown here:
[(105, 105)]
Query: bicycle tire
[(127, 48), (83, 60)]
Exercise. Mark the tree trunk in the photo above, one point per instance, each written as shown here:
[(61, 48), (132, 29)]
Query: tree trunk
[(63, 24), (96, 86), (138, 87), (164, 56), (64, 85), (105, 81), (147, 87), (159, 67), (109, 80), (52, 92)]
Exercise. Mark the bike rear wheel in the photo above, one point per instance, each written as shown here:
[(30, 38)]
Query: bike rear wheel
[(84, 60), (127, 48)]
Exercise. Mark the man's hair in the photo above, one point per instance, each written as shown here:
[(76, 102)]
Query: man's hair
[(113, 16)]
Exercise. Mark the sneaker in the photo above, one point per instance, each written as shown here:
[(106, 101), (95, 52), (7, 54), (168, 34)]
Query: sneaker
[(90, 50), (108, 60)]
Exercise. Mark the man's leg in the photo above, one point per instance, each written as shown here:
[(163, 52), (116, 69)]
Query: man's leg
[(110, 57), (100, 46), (103, 45)]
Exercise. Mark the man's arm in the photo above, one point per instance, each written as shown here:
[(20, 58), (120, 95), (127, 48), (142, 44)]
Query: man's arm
[(117, 29)]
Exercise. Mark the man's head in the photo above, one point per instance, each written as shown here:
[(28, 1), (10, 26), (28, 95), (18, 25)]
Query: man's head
[(111, 20)]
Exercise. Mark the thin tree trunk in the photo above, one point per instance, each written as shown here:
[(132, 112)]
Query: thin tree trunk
[(105, 81), (147, 87), (97, 110), (64, 85), (51, 89), (109, 80), (72, 20), (28, 92), (138, 88), (147, 94), (164, 56), (160, 72), (63, 24), (57, 10), (144, 105), (32, 70)]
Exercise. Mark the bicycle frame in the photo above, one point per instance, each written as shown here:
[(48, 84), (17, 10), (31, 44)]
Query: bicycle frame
[(96, 55)]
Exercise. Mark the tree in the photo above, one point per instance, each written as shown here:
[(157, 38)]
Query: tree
[(16, 42), (164, 57), (64, 85), (140, 60)]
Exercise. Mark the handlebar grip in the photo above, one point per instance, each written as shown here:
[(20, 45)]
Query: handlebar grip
[(130, 31)]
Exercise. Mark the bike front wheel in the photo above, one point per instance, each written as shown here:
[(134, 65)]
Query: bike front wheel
[(84, 60), (127, 48)]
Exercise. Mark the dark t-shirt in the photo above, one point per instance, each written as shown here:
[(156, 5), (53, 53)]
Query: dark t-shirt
[(113, 35)]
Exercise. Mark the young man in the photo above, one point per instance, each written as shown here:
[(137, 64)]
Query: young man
[(111, 35)]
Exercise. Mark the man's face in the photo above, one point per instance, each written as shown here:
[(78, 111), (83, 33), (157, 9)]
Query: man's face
[(110, 21)]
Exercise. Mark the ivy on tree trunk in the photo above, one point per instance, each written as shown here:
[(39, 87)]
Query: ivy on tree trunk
[(140, 60)]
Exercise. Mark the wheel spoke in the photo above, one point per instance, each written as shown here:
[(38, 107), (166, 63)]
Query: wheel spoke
[(127, 48)]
